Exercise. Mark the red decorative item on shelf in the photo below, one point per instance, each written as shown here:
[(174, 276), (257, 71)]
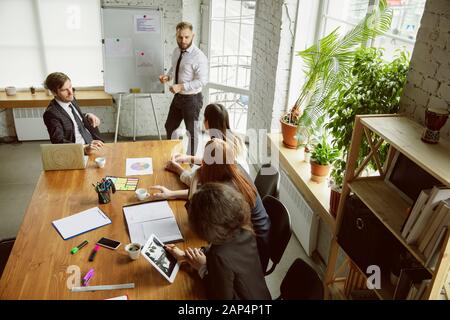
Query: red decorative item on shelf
[(434, 121)]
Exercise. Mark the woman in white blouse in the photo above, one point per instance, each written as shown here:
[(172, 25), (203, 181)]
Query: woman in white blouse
[(216, 122)]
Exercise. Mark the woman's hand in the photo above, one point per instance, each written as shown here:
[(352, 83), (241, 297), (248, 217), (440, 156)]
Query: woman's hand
[(163, 194), (195, 257), (179, 254), (181, 158), (174, 167)]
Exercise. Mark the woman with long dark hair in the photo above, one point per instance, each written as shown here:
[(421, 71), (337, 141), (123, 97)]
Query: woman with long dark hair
[(218, 165), (217, 124)]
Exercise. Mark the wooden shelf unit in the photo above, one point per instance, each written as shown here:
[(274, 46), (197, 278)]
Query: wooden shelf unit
[(385, 202)]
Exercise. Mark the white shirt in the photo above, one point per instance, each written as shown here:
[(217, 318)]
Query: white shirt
[(66, 108), (193, 71)]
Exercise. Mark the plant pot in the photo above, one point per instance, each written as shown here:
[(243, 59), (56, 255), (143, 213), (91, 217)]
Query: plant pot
[(319, 172), (335, 196), (289, 132), (434, 121)]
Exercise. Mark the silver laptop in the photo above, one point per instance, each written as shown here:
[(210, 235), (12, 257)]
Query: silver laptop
[(65, 156)]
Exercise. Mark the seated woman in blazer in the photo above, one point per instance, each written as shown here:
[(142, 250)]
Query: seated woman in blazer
[(219, 166), (216, 122), (220, 215)]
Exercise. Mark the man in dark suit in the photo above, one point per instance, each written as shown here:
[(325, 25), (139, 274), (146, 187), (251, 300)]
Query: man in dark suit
[(64, 120)]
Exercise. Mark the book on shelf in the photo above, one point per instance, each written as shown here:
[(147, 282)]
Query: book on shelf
[(437, 194), (422, 289), (414, 213), (440, 217), (433, 253), (407, 279)]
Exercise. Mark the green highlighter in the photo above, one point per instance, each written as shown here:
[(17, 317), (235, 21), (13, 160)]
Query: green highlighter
[(81, 245)]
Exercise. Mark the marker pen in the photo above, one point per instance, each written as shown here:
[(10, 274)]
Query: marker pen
[(81, 245), (94, 252)]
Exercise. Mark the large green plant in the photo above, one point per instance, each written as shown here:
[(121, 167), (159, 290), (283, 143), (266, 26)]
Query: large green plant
[(327, 64), (374, 86)]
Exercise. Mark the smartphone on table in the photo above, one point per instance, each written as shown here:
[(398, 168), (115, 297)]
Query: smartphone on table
[(109, 243)]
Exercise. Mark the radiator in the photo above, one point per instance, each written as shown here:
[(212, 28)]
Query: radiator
[(29, 124), (304, 222)]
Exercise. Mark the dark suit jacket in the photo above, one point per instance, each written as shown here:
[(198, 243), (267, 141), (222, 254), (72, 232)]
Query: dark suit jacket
[(234, 270), (60, 126)]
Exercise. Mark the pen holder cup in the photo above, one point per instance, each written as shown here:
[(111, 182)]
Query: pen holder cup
[(104, 197)]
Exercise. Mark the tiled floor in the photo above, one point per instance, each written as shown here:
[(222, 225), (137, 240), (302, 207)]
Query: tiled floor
[(20, 167)]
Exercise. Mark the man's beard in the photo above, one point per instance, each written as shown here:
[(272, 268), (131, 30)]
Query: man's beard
[(190, 44)]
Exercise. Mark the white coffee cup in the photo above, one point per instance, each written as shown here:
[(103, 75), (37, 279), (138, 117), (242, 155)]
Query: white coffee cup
[(100, 161), (142, 194), (134, 250), (10, 91)]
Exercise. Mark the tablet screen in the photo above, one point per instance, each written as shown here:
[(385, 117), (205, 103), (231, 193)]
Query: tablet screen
[(154, 251)]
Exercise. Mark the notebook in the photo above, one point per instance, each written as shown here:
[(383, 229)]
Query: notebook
[(64, 156), (145, 219), (81, 222)]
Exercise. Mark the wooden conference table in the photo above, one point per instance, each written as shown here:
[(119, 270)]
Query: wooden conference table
[(38, 264)]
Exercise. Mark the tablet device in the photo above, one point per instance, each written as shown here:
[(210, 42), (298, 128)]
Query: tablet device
[(160, 258)]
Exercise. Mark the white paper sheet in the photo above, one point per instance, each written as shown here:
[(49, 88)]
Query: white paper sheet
[(147, 23), (144, 64), (81, 222), (118, 47), (139, 166)]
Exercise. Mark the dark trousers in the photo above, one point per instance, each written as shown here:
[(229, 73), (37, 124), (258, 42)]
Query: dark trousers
[(187, 108)]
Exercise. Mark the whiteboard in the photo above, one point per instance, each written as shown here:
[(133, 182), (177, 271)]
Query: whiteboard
[(133, 54)]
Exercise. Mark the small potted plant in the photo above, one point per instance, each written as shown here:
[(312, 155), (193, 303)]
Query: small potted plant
[(289, 125), (322, 157)]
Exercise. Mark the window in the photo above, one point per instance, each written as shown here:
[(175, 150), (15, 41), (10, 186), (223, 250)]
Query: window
[(405, 21), (38, 37), (230, 48)]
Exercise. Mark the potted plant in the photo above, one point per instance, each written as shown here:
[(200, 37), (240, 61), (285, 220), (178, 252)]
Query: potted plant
[(322, 157), (326, 65)]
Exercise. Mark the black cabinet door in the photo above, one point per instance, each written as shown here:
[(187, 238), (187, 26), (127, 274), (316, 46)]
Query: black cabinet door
[(364, 238)]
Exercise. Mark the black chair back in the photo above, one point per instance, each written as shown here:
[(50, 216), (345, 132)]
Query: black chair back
[(301, 282), (280, 229), (267, 183), (5, 249)]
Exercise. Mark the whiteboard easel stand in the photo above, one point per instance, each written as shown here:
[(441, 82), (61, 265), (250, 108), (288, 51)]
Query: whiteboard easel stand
[(154, 114), (117, 118), (134, 118)]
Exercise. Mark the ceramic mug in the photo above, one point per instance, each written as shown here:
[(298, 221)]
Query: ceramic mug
[(10, 91), (100, 161), (142, 194), (134, 250)]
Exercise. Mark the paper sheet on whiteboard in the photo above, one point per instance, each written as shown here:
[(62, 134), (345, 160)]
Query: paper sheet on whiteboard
[(118, 47), (147, 24), (144, 64)]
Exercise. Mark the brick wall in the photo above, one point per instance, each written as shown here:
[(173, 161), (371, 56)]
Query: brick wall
[(428, 82)]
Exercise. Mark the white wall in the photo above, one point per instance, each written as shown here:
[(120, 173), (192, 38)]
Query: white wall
[(174, 12)]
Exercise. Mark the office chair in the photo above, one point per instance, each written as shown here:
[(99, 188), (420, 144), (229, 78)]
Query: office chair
[(267, 184), (280, 229), (301, 282), (5, 249)]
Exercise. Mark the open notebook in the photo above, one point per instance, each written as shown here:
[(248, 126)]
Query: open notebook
[(81, 222), (145, 219)]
